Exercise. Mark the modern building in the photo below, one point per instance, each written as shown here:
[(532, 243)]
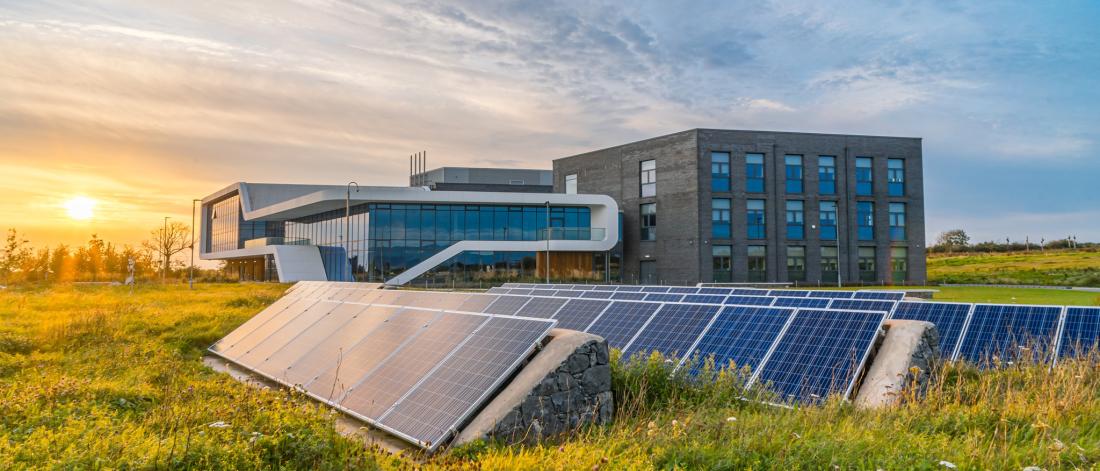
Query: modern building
[(709, 205), (399, 235), (509, 180)]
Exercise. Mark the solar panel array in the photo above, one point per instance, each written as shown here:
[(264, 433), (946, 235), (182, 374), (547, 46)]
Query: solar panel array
[(414, 364)]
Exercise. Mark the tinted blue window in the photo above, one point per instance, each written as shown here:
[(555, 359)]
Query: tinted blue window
[(897, 221), (720, 171), (864, 176), (720, 218), (795, 223), (826, 175), (794, 173), (754, 173), (895, 177), (755, 219), (865, 216), (827, 220)]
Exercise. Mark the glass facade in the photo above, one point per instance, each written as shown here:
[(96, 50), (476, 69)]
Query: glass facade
[(826, 175), (895, 176), (867, 264), (648, 218), (720, 218), (648, 178), (720, 171), (754, 173), (793, 165), (864, 176), (722, 256), (897, 221), (796, 263), (755, 219), (796, 227), (227, 229), (757, 262), (827, 219), (830, 264), (899, 264), (865, 216)]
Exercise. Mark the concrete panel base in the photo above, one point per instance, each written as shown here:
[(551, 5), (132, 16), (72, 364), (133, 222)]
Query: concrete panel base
[(901, 365)]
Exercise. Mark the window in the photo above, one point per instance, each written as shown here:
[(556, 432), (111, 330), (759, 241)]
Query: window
[(720, 218), (794, 173), (897, 221), (865, 216), (864, 176), (867, 264), (895, 176), (899, 264), (827, 219), (571, 184), (723, 263), (754, 173), (649, 221), (515, 182), (795, 226), (649, 178), (757, 223), (720, 171), (796, 263), (758, 262), (830, 264), (647, 271), (826, 175)]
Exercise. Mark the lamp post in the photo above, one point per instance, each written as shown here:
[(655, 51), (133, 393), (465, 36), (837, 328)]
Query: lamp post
[(164, 242), (191, 269), (548, 235), (347, 223)]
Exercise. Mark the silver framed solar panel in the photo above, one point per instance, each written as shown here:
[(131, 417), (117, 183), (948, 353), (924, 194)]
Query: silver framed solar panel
[(1059, 336), (962, 333), (639, 330), (974, 310)]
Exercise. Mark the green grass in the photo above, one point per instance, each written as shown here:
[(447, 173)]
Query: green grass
[(1049, 268), (92, 377)]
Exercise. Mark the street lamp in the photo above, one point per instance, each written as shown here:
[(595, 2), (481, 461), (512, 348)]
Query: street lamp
[(347, 223), (191, 269), (164, 242)]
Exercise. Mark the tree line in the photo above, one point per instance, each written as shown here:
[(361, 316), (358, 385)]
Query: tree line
[(957, 240)]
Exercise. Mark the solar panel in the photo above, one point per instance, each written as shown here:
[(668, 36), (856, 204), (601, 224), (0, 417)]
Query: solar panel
[(720, 291), (542, 307), (388, 297), (628, 296), (821, 352), (749, 292), (672, 331), (578, 314), (598, 294), (270, 344), (605, 287), (451, 392), (477, 303), (949, 318), (788, 293), (506, 305), (327, 353), (740, 335), (1081, 333), (664, 298), (569, 293), (436, 300), (683, 290), (629, 288), (520, 291), (750, 300), (830, 294), (818, 303), (704, 298), (655, 289), (887, 295), (543, 292), (268, 314), (1008, 333), (252, 334), (583, 287), (863, 305), (621, 321)]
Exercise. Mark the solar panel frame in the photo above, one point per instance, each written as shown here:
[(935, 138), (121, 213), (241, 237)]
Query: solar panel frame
[(629, 288), (617, 328), (862, 304), (718, 291), (605, 288), (1079, 323), (788, 293), (740, 300), (579, 314), (543, 292), (950, 332), (672, 326), (749, 292), (830, 294), (598, 294), (344, 339), (628, 296), (704, 298), (683, 290), (810, 303), (738, 332), (878, 294), (976, 316), (507, 305), (664, 298), (655, 289), (542, 307)]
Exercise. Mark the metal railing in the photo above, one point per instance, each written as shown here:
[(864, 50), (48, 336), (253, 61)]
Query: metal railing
[(573, 233), (266, 241)]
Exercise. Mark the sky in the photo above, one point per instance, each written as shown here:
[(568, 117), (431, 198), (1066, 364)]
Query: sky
[(143, 106)]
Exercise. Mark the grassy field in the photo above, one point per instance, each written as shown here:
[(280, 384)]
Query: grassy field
[(1049, 268), (92, 377)]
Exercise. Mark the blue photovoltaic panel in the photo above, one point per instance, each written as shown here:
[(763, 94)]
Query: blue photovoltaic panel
[(831, 294), (704, 298), (598, 294), (820, 354), (506, 305), (1081, 333), (672, 331), (543, 292), (583, 287), (664, 298), (520, 291), (750, 300), (542, 307), (740, 335), (629, 296), (790, 293), (863, 305), (578, 314), (629, 288), (605, 287), (564, 293), (546, 287), (1009, 333), (452, 391), (819, 303), (887, 295), (949, 319), (655, 289), (749, 292), (721, 291), (683, 289), (621, 321)]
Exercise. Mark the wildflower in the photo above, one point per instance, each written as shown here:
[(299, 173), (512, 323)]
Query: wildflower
[(675, 423), (948, 464), (218, 424), (1033, 468), (731, 419), (1057, 445)]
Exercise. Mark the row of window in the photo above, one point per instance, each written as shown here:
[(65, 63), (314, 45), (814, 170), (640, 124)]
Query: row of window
[(756, 220), (757, 263), (793, 175)]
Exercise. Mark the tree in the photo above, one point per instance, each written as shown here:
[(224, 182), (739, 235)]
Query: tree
[(953, 239), (167, 241), (15, 255)]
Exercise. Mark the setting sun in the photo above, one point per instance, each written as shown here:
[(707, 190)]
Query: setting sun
[(80, 208)]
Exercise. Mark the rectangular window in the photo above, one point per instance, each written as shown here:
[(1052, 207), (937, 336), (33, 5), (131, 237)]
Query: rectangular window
[(796, 263), (897, 221), (795, 224), (794, 173), (867, 264), (571, 184), (720, 171), (827, 219), (722, 256), (649, 221), (649, 178), (899, 264), (826, 175), (864, 176), (754, 173), (895, 176), (755, 219), (830, 264), (757, 262), (865, 216), (720, 218)]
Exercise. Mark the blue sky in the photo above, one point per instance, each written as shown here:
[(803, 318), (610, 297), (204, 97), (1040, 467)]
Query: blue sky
[(145, 105)]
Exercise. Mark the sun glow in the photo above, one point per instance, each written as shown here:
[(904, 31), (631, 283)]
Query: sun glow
[(80, 208)]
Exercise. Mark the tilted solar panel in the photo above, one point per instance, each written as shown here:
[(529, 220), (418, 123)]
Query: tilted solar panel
[(564, 293), (863, 305), (719, 291), (664, 298), (740, 336), (605, 288), (820, 353), (830, 294), (477, 302), (542, 307), (672, 331), (887, 295), (598, 294), (520, 291), (278, 338), (704, 298), (1004, 334), (329, 352), (273, 311), (683, 290), (819, 303), (1081, 333), (788, 293), (506, 305), (578, 314), (451, 392), (655, 289), (749, 292), (750, 300), (622, 288), (628, 295), (250, 334), (949, 318), (620, 322), (543, 292)]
